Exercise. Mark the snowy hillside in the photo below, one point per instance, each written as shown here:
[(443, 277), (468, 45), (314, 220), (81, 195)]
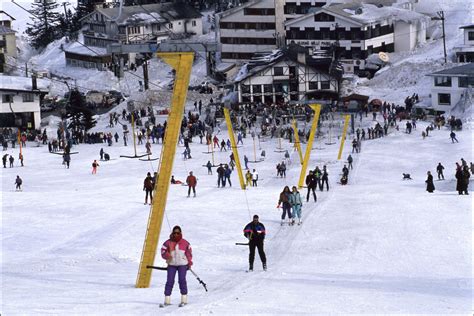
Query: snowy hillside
[(406, 72), (72, 241)]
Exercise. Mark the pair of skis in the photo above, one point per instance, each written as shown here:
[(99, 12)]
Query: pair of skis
[(194, 273)]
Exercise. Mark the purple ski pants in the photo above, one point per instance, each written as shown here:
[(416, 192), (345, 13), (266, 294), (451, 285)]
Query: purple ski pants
[(171, 273)]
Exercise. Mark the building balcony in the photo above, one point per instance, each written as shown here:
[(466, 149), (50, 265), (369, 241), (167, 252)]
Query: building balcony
[(461, 49)]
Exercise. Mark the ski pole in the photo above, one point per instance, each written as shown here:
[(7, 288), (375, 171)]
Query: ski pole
[(157, 268), (200, 281), (241, 244)]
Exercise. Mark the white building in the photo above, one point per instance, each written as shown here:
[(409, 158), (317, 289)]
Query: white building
[(7, 35), (465, 53), (285, 80), (258, 26), (21, 98), (150, 23), (359, 29), (450, 86)]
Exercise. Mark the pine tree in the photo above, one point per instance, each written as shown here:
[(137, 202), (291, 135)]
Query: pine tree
[(81, 118), (45, 19)]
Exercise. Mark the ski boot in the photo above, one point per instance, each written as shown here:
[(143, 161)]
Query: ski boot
[(264, 267), (167, 301), (250, 268), (184, 300)]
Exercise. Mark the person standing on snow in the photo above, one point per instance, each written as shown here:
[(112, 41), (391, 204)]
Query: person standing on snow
[(311, 183), (209, 167), (284, 201), (18, 183), (324, 179), (429, 183), (296, 204), (94, 167), (248, 179), (191, 181), (254, 178), (453, 137), (440, 169), (349, 161), (178, 255), (148, 188), (255, 233), (20, 157)]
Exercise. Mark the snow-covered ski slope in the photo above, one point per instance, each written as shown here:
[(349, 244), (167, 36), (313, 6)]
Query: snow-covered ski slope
[(71, 241)]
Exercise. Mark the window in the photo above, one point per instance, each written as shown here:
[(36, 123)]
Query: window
[(313, 85), (267, 88), (323, 17), (245, 88), (443, 81), (7, 98), (470, 36), (278, 71), (257, 88), (325, 85), (28, 97), (193, 23), (170, 26), (444, 98), (465, 82), (259, 11)]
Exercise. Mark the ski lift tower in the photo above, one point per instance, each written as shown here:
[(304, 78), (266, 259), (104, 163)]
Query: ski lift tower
[(180, 56)]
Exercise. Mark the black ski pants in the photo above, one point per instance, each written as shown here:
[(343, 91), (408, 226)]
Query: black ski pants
[(258, 243), (309, 192), (324, 180)]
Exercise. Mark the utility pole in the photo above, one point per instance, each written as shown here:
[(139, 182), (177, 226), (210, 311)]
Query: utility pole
[(441, 18), (67, 20), (145, 74)]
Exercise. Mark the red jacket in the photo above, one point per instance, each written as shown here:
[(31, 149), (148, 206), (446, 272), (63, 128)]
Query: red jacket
[(191, 181)]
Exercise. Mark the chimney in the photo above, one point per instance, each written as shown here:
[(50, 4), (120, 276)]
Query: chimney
[(34, 85)]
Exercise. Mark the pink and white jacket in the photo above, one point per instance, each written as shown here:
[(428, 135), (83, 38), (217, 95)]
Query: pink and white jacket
[(177, 253)]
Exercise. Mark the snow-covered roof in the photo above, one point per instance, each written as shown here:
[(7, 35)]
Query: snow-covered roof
[(369, 13), (467, 26), (22, 83), (77, 48), (463, 71), (150, 13), (233, 10), (5, 16), (364, 13), (6, 30)]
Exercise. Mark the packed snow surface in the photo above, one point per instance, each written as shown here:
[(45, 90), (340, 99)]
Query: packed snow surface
[(72, 241)]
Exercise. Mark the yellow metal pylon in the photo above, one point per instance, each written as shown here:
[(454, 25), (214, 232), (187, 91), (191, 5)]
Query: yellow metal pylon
[(343, 139), (317, 109), (182, 63), (297, 141), (234, 147)]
